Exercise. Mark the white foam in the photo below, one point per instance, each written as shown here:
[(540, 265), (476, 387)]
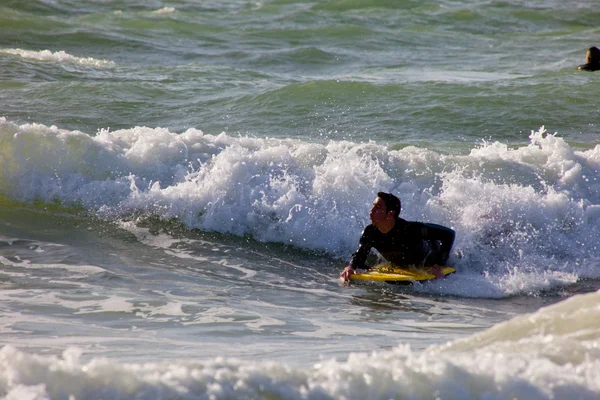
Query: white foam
[(75, 271), (257, 325), (164, 10), (552, 353), (59, 57), (525, 217)]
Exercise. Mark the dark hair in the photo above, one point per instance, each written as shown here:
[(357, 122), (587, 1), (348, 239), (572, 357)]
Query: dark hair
[(392, 203), (594, 55)]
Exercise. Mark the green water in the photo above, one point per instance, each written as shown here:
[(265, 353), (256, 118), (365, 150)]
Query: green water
[(398, 72)]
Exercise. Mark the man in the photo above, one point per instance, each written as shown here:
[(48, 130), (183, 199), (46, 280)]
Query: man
[(401, 242), (592, 60)]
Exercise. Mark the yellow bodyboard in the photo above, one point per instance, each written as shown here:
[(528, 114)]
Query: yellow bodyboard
[(392, 273)]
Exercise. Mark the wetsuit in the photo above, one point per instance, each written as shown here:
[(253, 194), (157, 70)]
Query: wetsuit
[(589, 67), (408, 243)]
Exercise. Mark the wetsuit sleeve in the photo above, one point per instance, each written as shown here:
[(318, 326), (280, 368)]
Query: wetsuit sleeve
[(443, 234), (364, 248), (589, 67)]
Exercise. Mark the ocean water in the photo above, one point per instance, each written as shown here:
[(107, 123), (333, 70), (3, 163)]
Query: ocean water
[(181, 183)]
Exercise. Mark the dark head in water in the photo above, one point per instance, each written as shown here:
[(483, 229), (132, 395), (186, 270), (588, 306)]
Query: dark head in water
[(592, 60)]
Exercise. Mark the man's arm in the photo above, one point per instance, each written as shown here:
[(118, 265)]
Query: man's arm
[(589, 67), (365, 244), (360, 255), (443, 234)]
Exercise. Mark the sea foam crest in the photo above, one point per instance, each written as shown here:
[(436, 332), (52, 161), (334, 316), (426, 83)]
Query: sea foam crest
[(526, 218), (164, 10), (552, 353), (58, 56)]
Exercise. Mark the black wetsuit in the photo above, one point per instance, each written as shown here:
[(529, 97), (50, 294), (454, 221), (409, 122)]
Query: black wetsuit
[(408, 243), (589, 67)]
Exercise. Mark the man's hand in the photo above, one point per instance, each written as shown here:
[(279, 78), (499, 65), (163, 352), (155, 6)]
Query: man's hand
[(436, 270), (345, 275)]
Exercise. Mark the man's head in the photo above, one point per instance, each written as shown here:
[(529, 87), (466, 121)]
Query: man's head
[(592, 55), (386, 207)]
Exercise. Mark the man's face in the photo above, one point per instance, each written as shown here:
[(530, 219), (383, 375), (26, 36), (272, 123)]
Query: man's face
[(378, 213)]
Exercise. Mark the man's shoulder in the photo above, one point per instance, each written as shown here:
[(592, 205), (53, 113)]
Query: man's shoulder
[(369, 230), (589, 67), (408, 226), (411, 224), (370, 234), (413, 228)]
